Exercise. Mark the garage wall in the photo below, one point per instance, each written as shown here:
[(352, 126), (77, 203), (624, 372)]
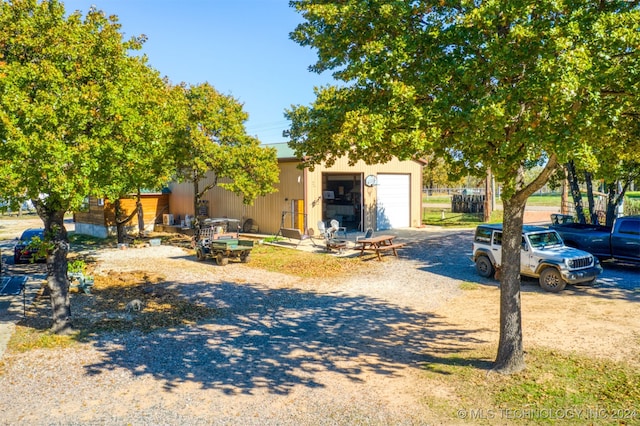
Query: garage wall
[(306, 185), (265, 212), (370, 196)]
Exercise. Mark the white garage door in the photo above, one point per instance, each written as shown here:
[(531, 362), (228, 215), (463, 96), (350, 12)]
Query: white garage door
[(393, 201)]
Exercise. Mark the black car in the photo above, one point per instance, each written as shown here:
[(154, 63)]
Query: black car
[(21, 251)]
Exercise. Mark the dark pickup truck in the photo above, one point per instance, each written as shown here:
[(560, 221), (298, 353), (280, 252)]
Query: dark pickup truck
[(620, 242)]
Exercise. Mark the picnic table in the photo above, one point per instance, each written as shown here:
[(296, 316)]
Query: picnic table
[(378, 244)]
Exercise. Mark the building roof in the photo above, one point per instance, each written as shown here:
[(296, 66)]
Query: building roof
[(283, 151)]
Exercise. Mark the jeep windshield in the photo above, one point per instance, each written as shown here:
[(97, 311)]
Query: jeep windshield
[(545, 239)]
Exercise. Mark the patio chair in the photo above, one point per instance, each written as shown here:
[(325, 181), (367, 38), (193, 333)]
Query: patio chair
[(322, 229), (367, 234), (335, 226)]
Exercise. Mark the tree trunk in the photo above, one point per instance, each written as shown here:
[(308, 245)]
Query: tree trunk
[(196, 203), (575, 191), (593, 216), (611, 205), (57, 280), (564, 198), (140, 214), (119, 224), (510, 358), (614, 200), (488, 196)]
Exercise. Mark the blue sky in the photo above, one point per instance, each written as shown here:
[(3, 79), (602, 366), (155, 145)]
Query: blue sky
[(241, 47)]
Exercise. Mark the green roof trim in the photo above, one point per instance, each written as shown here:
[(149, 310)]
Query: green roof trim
[(282, 150)]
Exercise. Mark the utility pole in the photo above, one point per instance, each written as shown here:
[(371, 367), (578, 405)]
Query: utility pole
[(488, 196)]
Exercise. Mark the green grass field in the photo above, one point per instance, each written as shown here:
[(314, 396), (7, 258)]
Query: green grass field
[(552, 199), (433, 212)]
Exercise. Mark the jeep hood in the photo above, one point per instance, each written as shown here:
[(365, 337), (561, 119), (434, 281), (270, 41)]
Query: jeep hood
[(562, 252)]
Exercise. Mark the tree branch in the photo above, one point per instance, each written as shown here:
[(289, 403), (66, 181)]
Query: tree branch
[(127, 219), (542, 178)]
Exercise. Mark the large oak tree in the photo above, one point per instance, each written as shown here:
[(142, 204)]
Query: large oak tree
[(213, 139), (503, 85), (78, 112)]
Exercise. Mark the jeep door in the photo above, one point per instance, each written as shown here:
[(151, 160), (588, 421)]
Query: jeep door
[(527, 264), (496, 247)]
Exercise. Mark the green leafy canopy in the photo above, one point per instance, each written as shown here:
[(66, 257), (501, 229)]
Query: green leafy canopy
[(76, 107), (484, 84)]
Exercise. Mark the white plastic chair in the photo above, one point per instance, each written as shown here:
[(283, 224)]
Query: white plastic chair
[(335, 225), (322, 229)]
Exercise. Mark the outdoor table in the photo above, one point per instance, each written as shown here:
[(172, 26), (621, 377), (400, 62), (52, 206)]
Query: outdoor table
[(378, 244)]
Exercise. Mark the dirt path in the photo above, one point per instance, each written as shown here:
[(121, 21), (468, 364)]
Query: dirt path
[(597, 322)]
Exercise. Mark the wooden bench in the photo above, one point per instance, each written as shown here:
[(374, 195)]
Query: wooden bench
[(295, 234), (394, 247)]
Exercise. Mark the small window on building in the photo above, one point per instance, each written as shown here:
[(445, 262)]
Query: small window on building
[(84, 207)]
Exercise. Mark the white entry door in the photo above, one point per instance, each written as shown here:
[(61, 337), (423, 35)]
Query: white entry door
[(394, 205)]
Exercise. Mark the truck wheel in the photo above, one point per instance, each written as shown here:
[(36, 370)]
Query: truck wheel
[(222, 260), (551, 280), (484, 268), (244, 257), (200, 254)]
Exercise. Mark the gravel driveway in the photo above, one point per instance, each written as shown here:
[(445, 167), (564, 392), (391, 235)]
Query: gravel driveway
[(285, 350)]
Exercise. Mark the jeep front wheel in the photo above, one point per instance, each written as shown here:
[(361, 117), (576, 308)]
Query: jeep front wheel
[(551, 280), (484, 268)]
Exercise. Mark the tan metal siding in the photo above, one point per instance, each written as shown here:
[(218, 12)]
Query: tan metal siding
[(266, 211), (296, 184), (369, 195)]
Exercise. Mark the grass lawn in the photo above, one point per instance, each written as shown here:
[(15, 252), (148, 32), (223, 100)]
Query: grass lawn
[(432, 211), (444, 217), (534, 200), (555, 387)]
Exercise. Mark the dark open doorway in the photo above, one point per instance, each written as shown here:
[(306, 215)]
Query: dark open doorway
[(342, 199)]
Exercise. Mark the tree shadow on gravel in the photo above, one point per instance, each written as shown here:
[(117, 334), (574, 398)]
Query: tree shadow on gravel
[(445, 254), (283, 338)]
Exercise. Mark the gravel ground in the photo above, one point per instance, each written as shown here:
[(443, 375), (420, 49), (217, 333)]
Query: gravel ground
[(284, 351)]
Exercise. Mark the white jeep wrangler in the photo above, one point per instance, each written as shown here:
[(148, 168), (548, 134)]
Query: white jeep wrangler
[(543, 256)]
